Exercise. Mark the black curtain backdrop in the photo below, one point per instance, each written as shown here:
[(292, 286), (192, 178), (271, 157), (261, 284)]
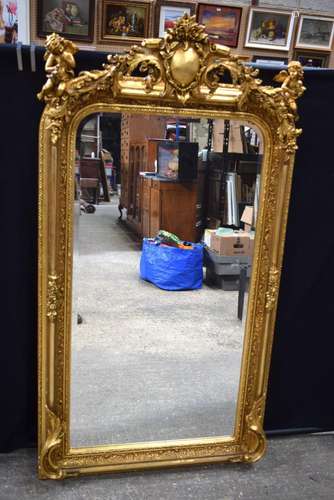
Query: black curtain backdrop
[(300, 387), (301, 375)]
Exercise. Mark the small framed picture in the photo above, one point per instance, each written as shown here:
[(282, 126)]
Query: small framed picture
[(124, 21), (167, 12), (269, 29), (315, 33), (9, 21), (270, 60), (221, 23), (72, 19), (311, 59)]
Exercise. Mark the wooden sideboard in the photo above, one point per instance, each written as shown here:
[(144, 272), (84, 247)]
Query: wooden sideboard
[(169, 205)]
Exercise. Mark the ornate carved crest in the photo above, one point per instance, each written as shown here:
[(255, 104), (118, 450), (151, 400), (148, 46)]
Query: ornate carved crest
[(182, 67)]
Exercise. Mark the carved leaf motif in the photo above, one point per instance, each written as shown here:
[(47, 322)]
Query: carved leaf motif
[(48, 459), (255, 437), (52, 301), (273, 287), (169, 453)]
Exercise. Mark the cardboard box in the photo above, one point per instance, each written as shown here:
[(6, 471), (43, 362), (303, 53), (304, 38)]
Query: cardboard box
[(231, 244), (251, 244), (247, 217), (207, 236), (106, 155)]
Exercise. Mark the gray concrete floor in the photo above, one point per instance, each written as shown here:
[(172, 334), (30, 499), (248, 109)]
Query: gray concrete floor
[(158, 365), (294, 468)]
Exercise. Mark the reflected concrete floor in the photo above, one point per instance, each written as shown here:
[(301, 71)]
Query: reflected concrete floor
[(294, 468), (147, 364)]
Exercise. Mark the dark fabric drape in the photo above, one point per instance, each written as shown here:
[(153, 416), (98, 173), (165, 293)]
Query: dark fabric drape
[(20, 113), (18, 160), (301, 371), (299, 394)]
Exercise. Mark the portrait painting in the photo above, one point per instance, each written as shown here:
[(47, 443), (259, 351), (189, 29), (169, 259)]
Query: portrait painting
[(269, 29), (315, 32), (72, 19), (221, 23)]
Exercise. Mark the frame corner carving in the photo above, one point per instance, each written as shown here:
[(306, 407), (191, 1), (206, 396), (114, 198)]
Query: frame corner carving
[(50, 456)]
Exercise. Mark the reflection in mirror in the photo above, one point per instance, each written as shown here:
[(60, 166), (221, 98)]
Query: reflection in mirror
[(156, 350)]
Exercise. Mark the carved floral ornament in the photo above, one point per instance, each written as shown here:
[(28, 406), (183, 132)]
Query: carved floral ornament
[(182, 72)]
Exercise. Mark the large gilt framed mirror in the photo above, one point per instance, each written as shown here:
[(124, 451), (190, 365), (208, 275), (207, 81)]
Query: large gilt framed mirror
[(135, 369)]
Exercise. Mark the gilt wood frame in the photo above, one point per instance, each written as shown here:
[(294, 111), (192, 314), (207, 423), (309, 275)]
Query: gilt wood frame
[(180, 74)]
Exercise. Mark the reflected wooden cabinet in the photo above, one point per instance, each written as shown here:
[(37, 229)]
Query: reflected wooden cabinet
[(138, 154), (171, 206), (145, 190)]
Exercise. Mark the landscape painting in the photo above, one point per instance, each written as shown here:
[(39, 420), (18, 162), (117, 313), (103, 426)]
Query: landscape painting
[(221, 23), (315, 32)]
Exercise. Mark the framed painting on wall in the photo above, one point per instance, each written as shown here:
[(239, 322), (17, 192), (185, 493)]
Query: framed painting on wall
[(124, 21), (311, 59), (269, 29), (315, 33), (167, 12), (8, 21), (270, 60), (72, 19), (221, 23)]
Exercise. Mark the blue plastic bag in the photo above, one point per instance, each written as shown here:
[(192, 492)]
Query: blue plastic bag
[(172, 268)]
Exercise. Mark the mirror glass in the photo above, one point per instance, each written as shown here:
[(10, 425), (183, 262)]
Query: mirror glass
[(165, 212)]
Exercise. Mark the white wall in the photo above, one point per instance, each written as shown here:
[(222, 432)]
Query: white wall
[(24, 21)]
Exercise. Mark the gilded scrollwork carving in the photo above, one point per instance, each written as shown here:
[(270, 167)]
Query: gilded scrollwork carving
[(50, 456), (273, 288), (53, 295), (159, 454), (255, 442), (277, 102), (59, 68), (182, 65)]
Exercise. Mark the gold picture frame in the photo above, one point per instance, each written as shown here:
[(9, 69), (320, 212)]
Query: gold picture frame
[(182, 74)]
